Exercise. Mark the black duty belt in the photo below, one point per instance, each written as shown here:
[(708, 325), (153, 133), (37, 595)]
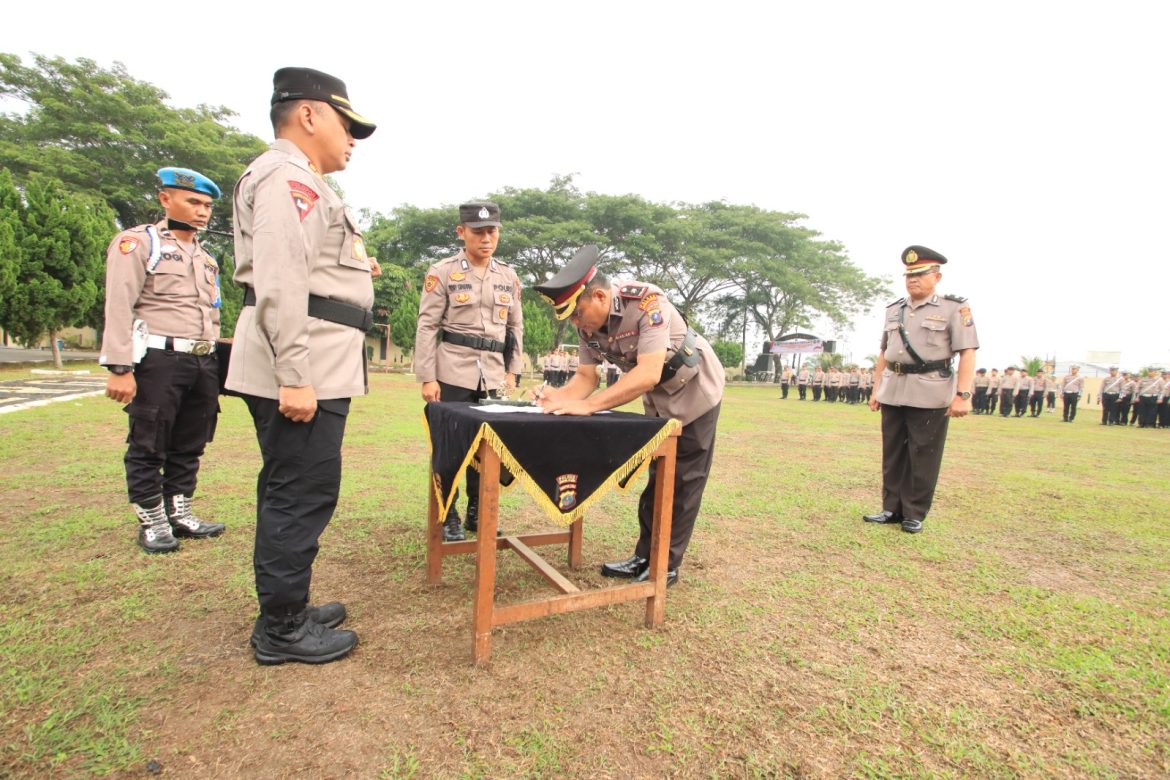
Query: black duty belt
[(475, 342), (685, 355), (329, 309), (920, 368)]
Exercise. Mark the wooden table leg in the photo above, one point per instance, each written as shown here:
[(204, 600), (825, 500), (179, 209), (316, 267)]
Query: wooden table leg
[(485, 553), (434, 538), (660, 535), (575, 535)]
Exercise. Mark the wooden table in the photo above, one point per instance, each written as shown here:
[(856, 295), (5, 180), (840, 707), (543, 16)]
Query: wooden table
[(487, 614)]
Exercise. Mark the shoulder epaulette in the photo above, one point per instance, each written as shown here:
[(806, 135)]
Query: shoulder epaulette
[(635, 291), (956, 298), (895, 303)]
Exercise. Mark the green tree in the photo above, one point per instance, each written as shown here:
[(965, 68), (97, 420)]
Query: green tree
[(730, 353), (11, 231), (404, 321), (61, 270), (826, 360), (104, 132), (538, 329), (1031, 364)]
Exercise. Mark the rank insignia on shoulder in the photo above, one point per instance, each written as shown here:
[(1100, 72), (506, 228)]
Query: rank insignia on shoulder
[(127, 245), (634, 290), (955, 298), (898, 302)]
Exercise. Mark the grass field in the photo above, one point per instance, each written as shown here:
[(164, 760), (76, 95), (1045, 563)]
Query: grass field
[(1026, 633)]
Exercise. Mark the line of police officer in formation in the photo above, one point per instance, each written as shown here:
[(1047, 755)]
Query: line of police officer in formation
[(851, 386), (1137, 398)]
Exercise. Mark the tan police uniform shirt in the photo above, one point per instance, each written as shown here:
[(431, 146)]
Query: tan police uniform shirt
[(456, 299), (818, 378), (1112, 384), (1150, 386), (802, 378), (1128, 389), (834, 379), (993, 383), (294, 237), (937, 328), (642, 321), (981, 380), (178, 298), (1051, 385), (1072, 384)]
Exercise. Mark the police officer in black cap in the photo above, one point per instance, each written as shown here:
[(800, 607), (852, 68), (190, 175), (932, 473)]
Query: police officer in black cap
[(299, 351)]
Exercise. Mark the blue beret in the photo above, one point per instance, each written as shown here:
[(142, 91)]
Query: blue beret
[(187, 179)]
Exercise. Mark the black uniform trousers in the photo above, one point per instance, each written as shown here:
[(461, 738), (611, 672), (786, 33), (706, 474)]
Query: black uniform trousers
[(992, 400), (1164, 414), (1005, 402), (1070, 406), (980, 404), (1036, 404), (912, 450), (1021, 402), (817, 392), (1109, 408), (1123, 406), (1051, 399), (803, 390), (696, 448), (296, 494), (783, 389), (172, 417), (456, 394), (1147, 411)]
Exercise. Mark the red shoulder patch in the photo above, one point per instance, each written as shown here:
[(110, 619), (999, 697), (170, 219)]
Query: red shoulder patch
[(430, 283), (304, 197), (127, 245)]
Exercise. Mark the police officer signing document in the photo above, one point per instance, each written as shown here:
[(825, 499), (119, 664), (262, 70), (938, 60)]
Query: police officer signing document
[(663, 360), (162, 320), (915, 387), (299, 352), (469, 342)]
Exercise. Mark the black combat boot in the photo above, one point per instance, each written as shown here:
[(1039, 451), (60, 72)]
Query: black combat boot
[(185, 523), (452, 526), (288, 636), (154, 532), (472, 523), (330, 615)]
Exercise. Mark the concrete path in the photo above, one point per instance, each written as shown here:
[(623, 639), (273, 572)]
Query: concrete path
[(49, 387)]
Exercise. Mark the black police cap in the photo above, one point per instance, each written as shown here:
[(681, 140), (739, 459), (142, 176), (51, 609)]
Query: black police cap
[(565, 287), (309, 84), (921, 259), (479, 214)]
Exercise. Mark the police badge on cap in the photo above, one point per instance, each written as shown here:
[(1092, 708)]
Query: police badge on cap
[(479, 214), (309, 84), (920, 260)]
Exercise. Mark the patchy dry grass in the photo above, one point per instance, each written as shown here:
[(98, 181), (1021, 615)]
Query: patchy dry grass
[(1024, 634)]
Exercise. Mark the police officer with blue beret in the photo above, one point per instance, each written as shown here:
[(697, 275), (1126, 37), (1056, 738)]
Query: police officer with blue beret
[(162, 321)]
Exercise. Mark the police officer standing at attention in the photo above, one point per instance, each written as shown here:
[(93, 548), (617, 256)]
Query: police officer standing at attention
[(1070, 388), (981, 383), (802, 380), (162, 320), (299, 351), (1110, 392), (666, 362), (468, 313), (916, 387)]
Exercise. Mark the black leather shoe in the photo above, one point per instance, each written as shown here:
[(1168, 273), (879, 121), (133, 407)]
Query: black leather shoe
[(330, 615), (885, 516), (631, 567), (472, 522), (912, 526), (452, 527), (671, 576), (296, 638)]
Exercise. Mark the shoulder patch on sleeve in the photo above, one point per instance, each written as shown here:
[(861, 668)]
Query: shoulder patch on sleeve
[(635, 291), (955, 298)]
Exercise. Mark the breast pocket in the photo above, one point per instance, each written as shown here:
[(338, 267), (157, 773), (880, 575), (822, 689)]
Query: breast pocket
[(936, 332), (170, 278), (353, 248)]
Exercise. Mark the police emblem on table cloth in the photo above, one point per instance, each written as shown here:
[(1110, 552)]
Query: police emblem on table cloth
[(304, 198), (566, 492)]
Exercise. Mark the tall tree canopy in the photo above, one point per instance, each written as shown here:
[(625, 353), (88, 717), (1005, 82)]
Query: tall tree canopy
[(60, 242), (104, 132)]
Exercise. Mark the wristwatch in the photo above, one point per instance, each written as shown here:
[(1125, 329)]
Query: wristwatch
[(964, 395), (120, 370)]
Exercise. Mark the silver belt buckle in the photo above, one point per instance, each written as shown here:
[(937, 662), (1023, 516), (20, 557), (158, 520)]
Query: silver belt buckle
[(201, 348)]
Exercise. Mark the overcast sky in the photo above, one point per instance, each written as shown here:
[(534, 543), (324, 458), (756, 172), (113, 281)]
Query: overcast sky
[(1029, 142)]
